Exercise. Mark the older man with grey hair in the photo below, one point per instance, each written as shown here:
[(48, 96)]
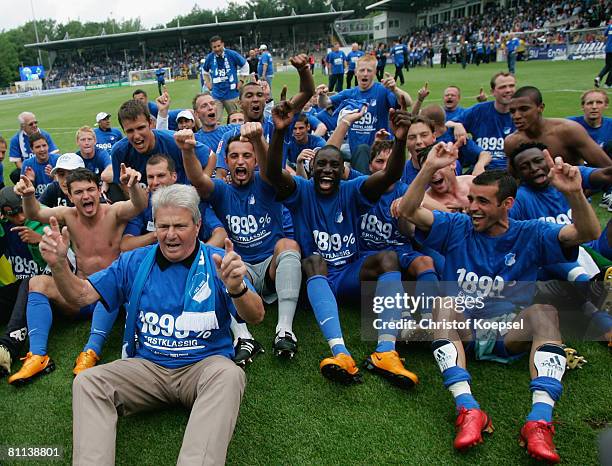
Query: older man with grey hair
[(20, 149), (179, 295)]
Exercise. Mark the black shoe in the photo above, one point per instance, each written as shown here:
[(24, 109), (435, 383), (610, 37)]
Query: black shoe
[(285, 346), (245, 351)]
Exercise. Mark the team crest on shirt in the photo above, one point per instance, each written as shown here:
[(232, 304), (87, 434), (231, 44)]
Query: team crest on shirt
[(507, 131), (202, 291), (251, 199), (372, 102), (510, 259), (339, 217)]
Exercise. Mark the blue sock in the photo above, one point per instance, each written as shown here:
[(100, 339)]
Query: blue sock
[(540, 411), (102, 323), (601, 321), (426, 285), (546, 391), (325, 309), (389, 284), (467, 401), (457, 380), (39, 317)]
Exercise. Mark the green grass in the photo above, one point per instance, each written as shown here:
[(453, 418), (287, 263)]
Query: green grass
[(290, 414)]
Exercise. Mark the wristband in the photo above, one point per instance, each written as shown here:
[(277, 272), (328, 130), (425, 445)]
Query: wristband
[(241, 293)]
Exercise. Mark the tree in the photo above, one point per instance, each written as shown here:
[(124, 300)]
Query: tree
[(9, 61)]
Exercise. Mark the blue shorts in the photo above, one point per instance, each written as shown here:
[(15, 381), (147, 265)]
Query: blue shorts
[(87, 311), (406, 254), (344, 281)]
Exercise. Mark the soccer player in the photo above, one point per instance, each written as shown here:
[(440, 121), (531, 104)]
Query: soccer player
[(160, 76), (484, 252), (86, 220), (563, 138), (38, 168), (335, 61), (253, 219), (490, 122), (265, 66), (19, 239), (142, 97), (352, 57), (594, 103), (512, 45), (326, 214), (452, 98), (301, 140), (182, 328), (207, 112), (106, 136), (381, 61), (140, 231), (141, 142), (96, 160), (607, 69), (56, 194), (379, 98), (398, 52), (20, 149), (224, 65)]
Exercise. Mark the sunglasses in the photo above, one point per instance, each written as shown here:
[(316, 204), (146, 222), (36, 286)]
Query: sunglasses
[(32, 123), (8, 211)]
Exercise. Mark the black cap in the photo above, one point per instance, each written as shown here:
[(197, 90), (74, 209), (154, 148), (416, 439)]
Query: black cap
[(8, 198)]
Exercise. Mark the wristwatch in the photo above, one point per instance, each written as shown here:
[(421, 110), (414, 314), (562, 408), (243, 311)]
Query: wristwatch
[(241, 293)]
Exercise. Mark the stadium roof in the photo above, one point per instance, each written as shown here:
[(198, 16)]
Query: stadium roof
[(212, 28), (403, 5)]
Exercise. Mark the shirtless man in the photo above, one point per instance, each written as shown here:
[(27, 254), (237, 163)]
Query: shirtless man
[(449, 189), (564, 138), (87, 220)]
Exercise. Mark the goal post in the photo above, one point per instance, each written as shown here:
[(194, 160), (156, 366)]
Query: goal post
[(139, 77)]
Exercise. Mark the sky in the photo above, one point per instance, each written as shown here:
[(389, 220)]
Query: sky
[(151, 12)]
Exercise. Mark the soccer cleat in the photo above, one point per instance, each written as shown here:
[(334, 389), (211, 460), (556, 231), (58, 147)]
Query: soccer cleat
[(340, 368), (245, 351), (605, 200), (470, 425), (391, 367), (537, 437), (85, 360), (34, 366), (285, 346), (597, 81), (573, 358), (5, 361)]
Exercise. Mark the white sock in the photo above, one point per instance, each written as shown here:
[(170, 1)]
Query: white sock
[(540, 396), (240, 331), (460, 388)]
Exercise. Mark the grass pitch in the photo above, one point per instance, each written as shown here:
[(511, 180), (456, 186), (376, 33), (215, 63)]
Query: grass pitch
[(290, 414)]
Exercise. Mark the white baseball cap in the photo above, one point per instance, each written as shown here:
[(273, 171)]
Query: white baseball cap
[(185, 114), (263, 47), (202, 61), (101, 116), (68, 161)]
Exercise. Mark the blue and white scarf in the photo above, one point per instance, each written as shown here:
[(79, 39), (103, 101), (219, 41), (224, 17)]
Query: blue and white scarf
[(198, 304)]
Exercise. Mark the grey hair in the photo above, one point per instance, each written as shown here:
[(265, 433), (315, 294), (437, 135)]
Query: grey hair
[(21, 117), (177, 195)]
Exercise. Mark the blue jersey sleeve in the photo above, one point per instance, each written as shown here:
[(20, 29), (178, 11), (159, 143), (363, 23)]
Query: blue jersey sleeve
[(14, 149), (469, 152), (549, 248), (313, 122), (52, 146), (135, 226), (585, 173), (295, 199), (238, 59), (110, 283), (340, 97), (446, 228), (210, 222), (104, 160)]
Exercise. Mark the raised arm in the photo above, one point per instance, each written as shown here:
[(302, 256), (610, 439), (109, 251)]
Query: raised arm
[(339, 134), (185, 140), (53, 248), (585, 225), (422, 95), (441, 155), (307, 86), (31, 206), (378, 183), (389, 83), (276, 176), (322, 91), (253, 133), (126, 210)]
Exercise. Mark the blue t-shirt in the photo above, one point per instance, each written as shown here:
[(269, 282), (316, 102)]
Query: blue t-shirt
[(468, 153), (609, 39), (172, 123), (42, 179), (213, 138), (107, 139), (153, 108), (265, 58), (378, 230), (124, 152), (329, 121), (328, 225), (336, 60), (512, 45), (352, 58), (600, 135), (489, 128), (455, 115), (17, 252), (19, 148), (98, 162), (499, 269), (143, 223), (234, 130), (251, 216), (379, 100), (291, 148), (224, 73), (548, 204), (398, 51), (159, 74), (161, 304), (410, 173)]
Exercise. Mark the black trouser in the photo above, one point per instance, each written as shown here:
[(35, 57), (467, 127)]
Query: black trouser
[(399, 73), (337, 81), (349, 78), (443, 61), (160, 84), (14, 299), (607, 69), (380, 73)]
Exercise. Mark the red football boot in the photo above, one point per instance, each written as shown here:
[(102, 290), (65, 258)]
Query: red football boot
[(537, 437), (470, 425)]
